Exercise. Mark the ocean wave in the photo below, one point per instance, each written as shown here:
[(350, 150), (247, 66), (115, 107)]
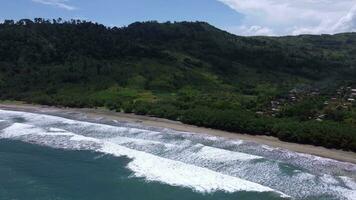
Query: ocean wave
[(148, 166), (180, 158), (222, 155)]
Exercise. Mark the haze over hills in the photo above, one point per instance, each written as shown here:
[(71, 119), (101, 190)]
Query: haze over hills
[(297, 88)]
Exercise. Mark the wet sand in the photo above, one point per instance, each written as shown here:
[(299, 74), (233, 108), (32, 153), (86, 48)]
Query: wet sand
[(339, 155)]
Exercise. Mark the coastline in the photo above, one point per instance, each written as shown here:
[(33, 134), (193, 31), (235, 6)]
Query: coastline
[(339, 155)]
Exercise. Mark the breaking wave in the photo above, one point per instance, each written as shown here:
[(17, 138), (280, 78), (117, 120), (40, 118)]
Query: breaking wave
[(203, 163)]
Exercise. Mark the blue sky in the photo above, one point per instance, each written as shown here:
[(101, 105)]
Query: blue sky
[(243, 17), (124, 12)]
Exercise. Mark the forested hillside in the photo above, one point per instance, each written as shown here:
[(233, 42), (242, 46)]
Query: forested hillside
[(298, 88)]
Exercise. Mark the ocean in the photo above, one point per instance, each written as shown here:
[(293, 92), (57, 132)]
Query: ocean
[(69, 156)]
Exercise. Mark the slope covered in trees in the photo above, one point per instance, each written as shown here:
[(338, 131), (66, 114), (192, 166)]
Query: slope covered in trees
[(295, 88)]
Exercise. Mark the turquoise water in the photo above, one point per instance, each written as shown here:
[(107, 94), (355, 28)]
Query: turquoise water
[(33, 172), (49, 157)]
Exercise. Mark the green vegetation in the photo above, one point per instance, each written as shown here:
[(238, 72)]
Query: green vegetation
[(190, 72)]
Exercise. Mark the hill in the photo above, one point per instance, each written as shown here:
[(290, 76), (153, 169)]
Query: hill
[(297, 88)]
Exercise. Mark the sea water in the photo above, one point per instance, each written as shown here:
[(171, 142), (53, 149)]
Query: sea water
[(71, 157)]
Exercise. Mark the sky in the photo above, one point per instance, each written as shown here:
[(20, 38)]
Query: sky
[(241, 17)]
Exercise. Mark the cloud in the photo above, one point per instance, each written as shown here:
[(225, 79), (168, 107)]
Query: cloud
[(251, 30), (57, 3), (289, 17), (348, 22)]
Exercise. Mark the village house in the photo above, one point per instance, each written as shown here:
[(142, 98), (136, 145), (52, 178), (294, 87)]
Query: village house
[(260, 113), (353, 92)]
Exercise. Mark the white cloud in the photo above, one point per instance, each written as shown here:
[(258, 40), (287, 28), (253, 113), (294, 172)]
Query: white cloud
[(57, 3), (348, 22), (285, 17), (251, 30)]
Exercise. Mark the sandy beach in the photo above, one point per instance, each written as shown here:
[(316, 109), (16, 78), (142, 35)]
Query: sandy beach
[(164, 123)]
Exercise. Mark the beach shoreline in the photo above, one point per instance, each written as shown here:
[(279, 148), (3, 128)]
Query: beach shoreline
[(339, 155)]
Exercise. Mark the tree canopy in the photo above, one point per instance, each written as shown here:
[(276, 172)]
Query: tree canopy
[(188, 71)]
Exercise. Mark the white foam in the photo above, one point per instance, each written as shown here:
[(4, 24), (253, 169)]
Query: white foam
[(223, 155), (176, 173), (144, 142), (43, 119), (83, 138), (304, 176), (237, 142), (56, 130), (174, 169), (17, 130), (37, 117), (326, 178), (268, 148), (349, 194), (349, 182), (149, 166)]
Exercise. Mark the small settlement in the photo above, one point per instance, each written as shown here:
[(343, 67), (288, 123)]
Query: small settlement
[(343, 98)]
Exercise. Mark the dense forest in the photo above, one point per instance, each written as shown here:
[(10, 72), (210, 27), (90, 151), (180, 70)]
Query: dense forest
[(297, 88)]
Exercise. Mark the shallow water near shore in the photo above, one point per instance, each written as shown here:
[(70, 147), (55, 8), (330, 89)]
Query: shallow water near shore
[(34, 172), (50, 157)]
